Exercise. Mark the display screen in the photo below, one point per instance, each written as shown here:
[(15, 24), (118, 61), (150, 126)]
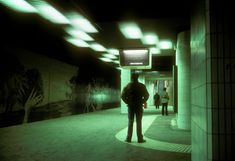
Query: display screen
[(135, 58)]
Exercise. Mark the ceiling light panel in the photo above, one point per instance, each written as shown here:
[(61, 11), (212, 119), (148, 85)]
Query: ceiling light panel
[(155, 50), (97, 47), (77, 42), (79, 21), (105, 59), (150, 39), (165, 44), (113, 51), (19, 5), (79, 34), (130, 30), (49, 12), (110, 56)]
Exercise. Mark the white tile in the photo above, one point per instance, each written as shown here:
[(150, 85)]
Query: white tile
[(213, 44), (214, 70), (222, 121), (222, 147), (214, 95), (208, 70), (228, 95), (220, 70), (208, 95), (215, 121), (228, 121), (209, 120), (209, 146), (227, 70), (221, 95), (215, 147)]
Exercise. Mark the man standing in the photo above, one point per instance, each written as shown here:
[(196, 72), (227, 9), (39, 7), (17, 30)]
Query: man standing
[(156, 100), (135, 95), (164, 100)]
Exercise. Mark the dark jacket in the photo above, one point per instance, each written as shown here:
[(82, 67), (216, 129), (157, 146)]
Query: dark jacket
[(156, 99), (135, 94)]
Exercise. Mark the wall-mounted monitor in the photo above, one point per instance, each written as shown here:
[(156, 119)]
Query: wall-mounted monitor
[(135, 58)]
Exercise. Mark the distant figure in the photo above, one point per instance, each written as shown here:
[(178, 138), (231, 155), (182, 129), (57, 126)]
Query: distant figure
[(164, 100), (156, 100), (135, 95)]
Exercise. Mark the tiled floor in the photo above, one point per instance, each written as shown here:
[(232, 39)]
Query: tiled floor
[(96, 136)]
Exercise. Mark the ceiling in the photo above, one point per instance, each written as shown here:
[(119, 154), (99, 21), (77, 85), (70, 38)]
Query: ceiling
[(32, 32)]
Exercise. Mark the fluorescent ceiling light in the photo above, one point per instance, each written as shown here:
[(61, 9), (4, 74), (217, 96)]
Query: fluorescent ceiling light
[(106, 59), (130, 30), (150, 39), (77, 42), (165, 44), (116, 61), (97, 47), (19, 5), (49, 12), (110, 56), (81, 22), (79, 34), (113, 51), (155, 50)]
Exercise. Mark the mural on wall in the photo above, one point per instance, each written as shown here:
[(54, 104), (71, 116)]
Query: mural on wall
[(21, 90), (92, 96), (32, 91)]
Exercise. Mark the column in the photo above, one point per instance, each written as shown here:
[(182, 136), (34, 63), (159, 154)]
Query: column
[(184, 83), (125, 79)]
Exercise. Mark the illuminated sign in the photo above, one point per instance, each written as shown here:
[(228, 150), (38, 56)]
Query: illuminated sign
[(135, 59)]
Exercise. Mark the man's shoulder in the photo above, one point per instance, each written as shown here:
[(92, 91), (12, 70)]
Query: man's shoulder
[(141, 84)]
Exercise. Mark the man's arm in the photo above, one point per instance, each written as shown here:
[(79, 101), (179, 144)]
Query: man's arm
[(145, 94), (124, 95)]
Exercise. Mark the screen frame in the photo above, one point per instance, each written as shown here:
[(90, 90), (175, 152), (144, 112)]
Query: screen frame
[(124, 60)]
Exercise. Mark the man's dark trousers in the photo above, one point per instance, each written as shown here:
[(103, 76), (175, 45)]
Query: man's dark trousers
[(132, 112)]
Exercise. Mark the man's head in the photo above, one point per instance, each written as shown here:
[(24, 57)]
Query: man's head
[(134, 77)]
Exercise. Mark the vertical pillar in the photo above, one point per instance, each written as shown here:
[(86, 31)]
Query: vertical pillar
[(125, 79), (184, 83), (175, 100)]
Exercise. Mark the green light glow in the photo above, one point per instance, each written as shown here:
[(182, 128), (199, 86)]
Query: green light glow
[(110, 56), (97, 47), (130, 30), (150, 39), (77, 42), (118, 68), (100, 97), (106, 59), (113, 51), (19, 5), (49, 12), (79, 34), (155, 50), (165, 44), (78, 21), (116, 61)]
